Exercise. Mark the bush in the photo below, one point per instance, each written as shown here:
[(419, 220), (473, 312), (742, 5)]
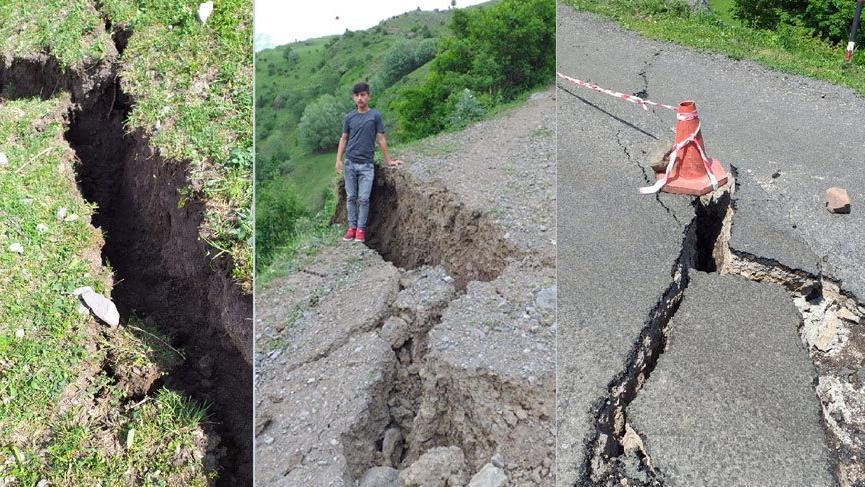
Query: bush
[(828, 19), (466, 109), (403, 58), (500, 50), (290, 56), (277, 210), (321, 123)]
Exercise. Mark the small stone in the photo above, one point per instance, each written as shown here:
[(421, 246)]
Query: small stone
[(4, 161), (827, 334), (498, 460), (658, 154), (392, 447), (61, 214), (204, 11), (489, 476), (102, 307), (846, 314), (837, 200), (268, 440), (380, 477), (41, 227), (19, 333), (71, 218), (17, 248), (395, 331)]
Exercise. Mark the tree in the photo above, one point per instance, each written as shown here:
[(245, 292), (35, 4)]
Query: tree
[(321, 123)]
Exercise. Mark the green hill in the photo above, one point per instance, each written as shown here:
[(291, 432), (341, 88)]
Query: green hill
[(291, 76)]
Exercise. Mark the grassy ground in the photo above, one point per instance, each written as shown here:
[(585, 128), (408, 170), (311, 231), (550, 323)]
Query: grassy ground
[(788, 49), (66, 415), (191, 86)]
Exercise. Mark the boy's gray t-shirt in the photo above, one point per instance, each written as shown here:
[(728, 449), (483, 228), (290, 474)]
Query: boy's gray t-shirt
[(361, 129)]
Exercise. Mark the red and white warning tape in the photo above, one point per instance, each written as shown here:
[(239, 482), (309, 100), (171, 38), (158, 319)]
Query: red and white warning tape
[(631, 98), (691, 139)]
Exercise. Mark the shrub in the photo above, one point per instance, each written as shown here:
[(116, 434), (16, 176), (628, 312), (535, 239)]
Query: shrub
[(277, 210), (321, 123), (466, 109), (828, 19)]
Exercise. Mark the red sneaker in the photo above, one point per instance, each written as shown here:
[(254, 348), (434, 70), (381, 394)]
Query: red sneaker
[(349, 234), (359, 236)]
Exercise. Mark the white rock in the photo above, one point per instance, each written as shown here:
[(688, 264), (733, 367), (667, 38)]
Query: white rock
[(19, 333), (204, 11), (61, 214), (102, 307), (41, 227), (4, 161), (17, 248)]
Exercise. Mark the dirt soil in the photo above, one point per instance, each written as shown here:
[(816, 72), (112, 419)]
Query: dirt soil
[(379, 364)]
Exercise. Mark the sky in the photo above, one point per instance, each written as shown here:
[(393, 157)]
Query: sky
[(279, 22)]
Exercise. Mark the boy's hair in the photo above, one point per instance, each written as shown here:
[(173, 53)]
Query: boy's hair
[(360, 88)]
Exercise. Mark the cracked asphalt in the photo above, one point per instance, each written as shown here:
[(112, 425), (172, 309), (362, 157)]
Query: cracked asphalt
[(789, 138)]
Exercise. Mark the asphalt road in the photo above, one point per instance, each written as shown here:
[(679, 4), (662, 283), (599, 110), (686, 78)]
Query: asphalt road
[(789, 138)]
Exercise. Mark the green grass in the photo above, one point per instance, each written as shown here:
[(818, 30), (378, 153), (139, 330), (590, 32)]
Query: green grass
[(62, 417), (788, 49), (191, 86), (70, 30), (313, 175), (723, 9)]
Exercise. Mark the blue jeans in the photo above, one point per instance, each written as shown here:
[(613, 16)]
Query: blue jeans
[(358, 185)]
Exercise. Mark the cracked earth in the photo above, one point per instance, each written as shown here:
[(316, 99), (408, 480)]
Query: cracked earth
[(713, 340), (427, 356)]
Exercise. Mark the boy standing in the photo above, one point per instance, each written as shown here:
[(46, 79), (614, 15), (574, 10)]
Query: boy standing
[(361, 128)]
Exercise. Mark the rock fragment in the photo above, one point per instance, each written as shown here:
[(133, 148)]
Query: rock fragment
[(658, 153), (489, 476), (101, 307), (204, 11), (837, 200), (439, 467), (4, 161), (16, 248), (380, 477)]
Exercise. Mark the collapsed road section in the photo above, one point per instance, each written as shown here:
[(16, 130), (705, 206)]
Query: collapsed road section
[(425, 357), (164, 273)]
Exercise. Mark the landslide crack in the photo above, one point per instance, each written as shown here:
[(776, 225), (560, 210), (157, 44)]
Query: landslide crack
[(616, 453), (163, 272), (412, 224)]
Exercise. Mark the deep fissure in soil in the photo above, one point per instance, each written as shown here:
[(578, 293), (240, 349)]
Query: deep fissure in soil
[(414, 223), (163, 272)]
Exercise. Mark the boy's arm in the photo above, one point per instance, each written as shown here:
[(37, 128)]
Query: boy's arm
[(382, 142), (340, 151)]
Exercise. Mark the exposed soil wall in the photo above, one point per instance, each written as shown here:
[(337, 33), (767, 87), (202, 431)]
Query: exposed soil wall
[(413, 224)]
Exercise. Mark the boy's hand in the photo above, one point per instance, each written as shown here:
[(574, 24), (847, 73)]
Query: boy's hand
[(395, 163), (339, 166)]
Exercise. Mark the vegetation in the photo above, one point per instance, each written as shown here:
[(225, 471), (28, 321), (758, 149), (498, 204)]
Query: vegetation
[(419, 65), (64, 418), (791, 48), (191, 85)]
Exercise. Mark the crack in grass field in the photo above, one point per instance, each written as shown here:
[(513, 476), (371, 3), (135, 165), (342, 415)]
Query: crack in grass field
[(191, 86), (65, 415)]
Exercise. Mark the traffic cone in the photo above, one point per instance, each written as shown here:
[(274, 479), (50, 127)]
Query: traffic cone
[(690, 171)]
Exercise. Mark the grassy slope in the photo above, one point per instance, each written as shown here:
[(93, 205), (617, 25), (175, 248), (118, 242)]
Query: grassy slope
[(312, 173), (191, 84), (786, 49), (63, 417)]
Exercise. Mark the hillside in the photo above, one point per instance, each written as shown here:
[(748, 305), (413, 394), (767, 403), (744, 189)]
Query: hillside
[(291, 76)]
